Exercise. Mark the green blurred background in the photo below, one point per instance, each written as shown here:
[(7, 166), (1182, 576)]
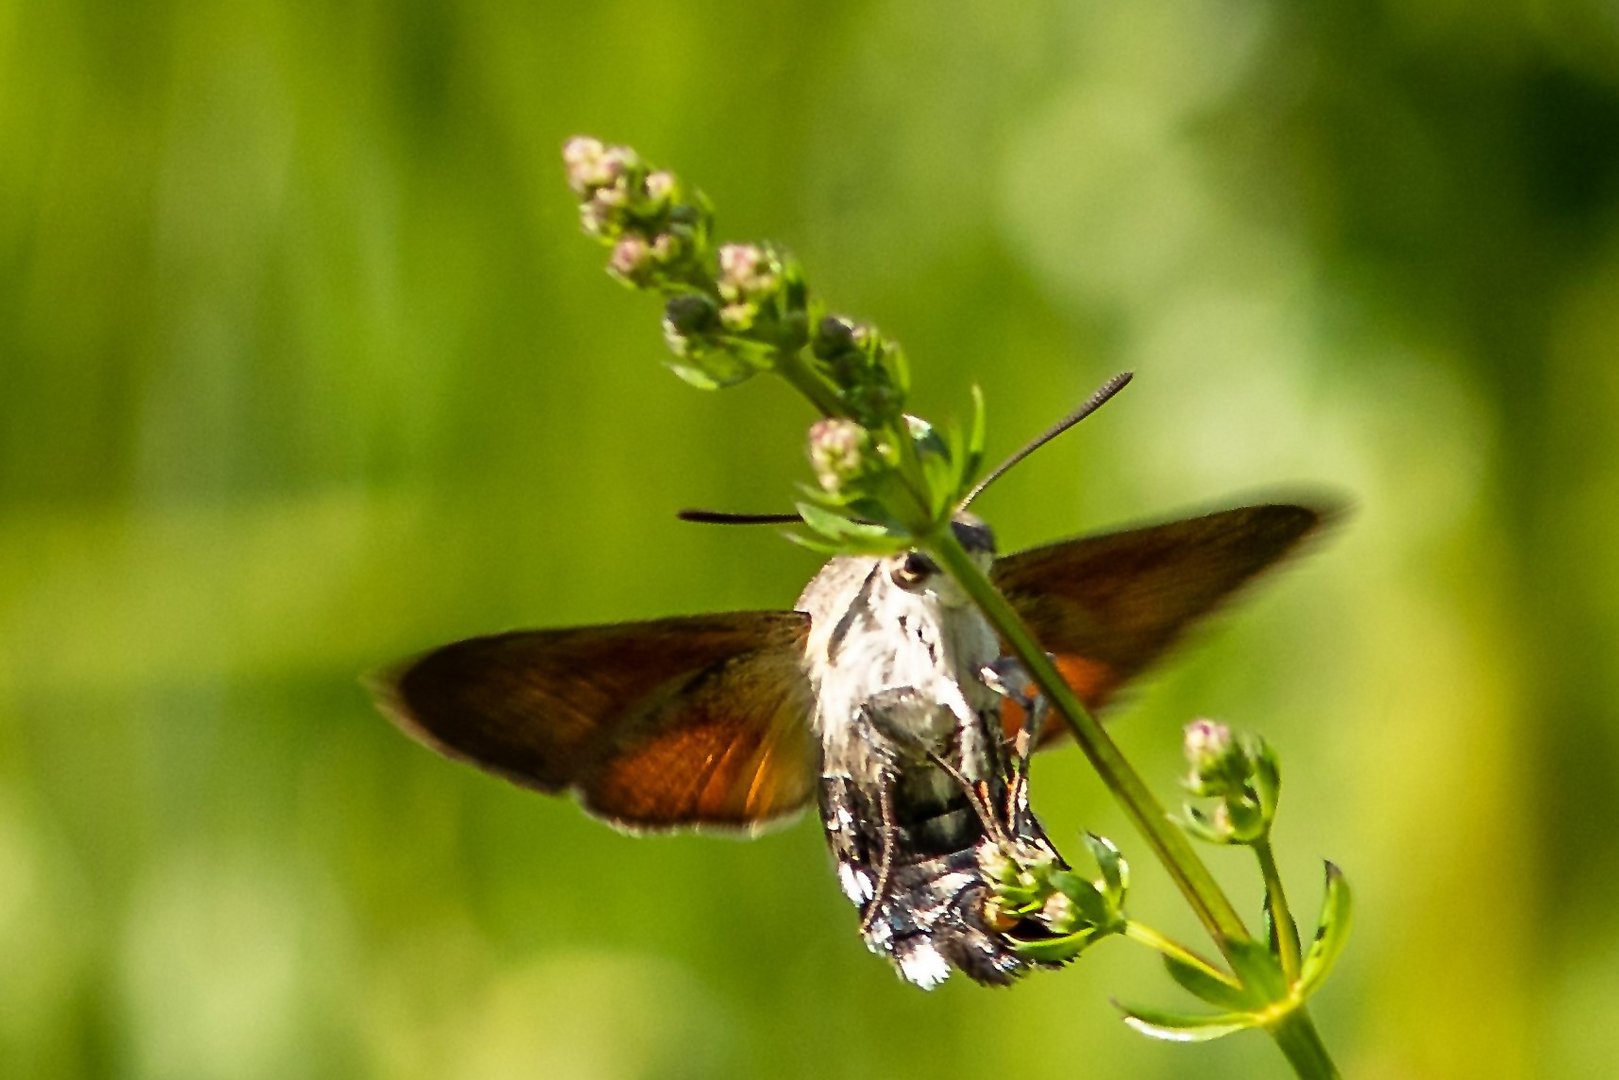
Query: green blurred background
[(304, 367)]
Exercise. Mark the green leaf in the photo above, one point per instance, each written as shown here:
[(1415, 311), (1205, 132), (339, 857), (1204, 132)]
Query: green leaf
[(1208, 988), (1022, 897), (1202, 827), (1247, 819), (1115, 871), (939, 473), (1185, 1027), (844, 536), (1267, 778), (1057, 950), (966, 455), (712, 375), (975, 440), (899, 368), (1258, 969), (945, 488), (817, 545), (836, 526), (1088, 902), (1331, 934)]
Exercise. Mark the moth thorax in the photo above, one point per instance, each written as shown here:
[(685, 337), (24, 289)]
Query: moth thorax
[(894, 671)]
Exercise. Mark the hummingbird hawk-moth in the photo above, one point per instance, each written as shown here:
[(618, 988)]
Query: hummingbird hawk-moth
[(877, 698)]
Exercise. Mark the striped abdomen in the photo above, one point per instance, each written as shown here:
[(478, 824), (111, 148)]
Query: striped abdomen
[(926, 911)]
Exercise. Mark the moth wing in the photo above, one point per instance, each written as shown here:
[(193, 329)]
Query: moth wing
[(685, 722), (1108, 606)]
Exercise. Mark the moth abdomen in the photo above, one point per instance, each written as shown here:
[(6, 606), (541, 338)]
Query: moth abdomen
[(922, 890)]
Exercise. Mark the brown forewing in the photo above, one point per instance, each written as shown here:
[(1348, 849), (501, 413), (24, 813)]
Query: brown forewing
[(698, 721), (1107, 606)]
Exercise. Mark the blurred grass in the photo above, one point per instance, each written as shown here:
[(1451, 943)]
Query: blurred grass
[(303, 368)]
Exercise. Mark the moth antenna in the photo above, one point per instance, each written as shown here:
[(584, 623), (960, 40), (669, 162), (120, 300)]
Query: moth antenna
[(722, 517), (1097, 400), (885, 867)]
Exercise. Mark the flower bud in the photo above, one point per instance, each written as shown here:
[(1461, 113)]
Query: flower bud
[(840, 451), (1059, 914), (1242, 772), (689, 321), (747, 272), (865, 367), (582, 157), (834, 338), (592, 166), (632, 260), (596, 219), (1207, 743), (739, 318), (659, 187), (603, 214), (1219, 762)]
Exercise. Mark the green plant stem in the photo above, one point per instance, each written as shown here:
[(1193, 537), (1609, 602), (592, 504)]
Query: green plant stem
[(1296, 1036), (1287, 931), (1146, 935), (790, 365), (1171, 846), (913, 483)]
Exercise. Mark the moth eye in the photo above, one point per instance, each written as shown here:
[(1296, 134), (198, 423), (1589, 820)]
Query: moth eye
[(913, 571)]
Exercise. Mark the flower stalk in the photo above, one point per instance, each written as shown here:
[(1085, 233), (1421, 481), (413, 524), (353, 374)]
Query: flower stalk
[(889, 482)]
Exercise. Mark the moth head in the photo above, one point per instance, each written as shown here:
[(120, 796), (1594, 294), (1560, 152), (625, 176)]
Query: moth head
[(915, 572)]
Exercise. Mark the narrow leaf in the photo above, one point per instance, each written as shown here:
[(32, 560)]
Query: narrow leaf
[(975, 440), (1057, 950), (1267, 779), (939, 472), (1207, 987), (1258, 969), (713, 378), (1331, 934), (1115, 871), (1197, 824), (1185, 1027), (834, 525), (1092, 908), (818, 545)]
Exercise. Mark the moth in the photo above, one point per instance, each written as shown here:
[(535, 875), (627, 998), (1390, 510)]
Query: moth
[(883, 698)]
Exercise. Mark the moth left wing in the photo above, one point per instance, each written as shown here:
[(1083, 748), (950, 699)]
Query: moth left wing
[(1108, 606), (686, 722)]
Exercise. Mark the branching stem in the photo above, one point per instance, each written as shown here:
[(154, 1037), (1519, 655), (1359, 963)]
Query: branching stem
[(1287, 931), (1146, 935)]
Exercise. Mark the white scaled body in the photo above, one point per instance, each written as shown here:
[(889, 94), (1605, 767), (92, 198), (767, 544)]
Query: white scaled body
[(906, 724)]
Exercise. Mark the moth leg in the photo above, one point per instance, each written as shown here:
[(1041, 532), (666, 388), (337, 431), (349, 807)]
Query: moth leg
[(913, 723), (1007, 678), (903, 718), (977, 792), (886, 830)]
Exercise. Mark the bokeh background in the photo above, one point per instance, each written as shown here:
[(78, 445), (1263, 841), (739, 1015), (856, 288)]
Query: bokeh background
[(304, 367)]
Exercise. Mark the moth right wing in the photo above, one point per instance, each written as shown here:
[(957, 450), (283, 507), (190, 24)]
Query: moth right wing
[(699, 722), (1106, 607)]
